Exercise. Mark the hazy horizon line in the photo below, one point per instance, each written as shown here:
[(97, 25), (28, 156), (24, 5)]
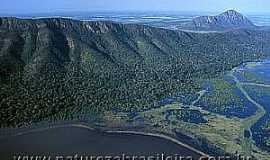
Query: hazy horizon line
[(128, 11)]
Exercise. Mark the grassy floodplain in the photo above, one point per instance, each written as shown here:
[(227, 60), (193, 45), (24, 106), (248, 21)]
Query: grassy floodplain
[(226, 132)]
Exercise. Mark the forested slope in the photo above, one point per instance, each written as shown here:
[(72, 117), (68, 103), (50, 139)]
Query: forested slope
[(63, 68)]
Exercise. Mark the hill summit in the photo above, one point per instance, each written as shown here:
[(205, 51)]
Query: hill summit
[(55, 68), (228, 19)]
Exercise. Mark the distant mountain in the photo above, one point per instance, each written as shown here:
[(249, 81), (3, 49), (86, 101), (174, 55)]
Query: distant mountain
[(59, 68), (227, 20)]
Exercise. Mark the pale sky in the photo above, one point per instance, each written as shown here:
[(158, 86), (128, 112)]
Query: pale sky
[(39, 6)]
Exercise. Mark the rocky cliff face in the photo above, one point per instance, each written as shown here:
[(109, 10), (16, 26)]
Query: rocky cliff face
[(226, 20)]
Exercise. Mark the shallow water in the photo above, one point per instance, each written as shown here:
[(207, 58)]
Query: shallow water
[(260, 70), (73, 140)]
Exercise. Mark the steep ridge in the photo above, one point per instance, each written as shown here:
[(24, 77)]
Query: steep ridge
[(227, 20), (63, 68)]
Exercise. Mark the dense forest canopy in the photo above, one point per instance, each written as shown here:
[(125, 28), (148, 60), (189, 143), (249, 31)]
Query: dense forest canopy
[(64, 68)]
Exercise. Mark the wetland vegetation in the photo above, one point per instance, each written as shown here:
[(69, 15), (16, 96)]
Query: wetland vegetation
[(125, 74)]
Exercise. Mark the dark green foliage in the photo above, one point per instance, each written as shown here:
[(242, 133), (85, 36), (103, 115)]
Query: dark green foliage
[(186, 115), (60, 68)]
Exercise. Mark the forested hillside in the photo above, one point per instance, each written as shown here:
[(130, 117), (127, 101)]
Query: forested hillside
[(64, 68)]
